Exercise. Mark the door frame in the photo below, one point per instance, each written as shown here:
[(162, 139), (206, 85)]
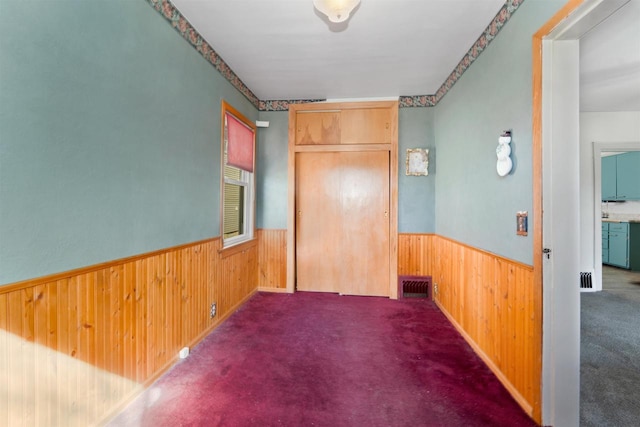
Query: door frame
[(598, 149), (560, 374), (392, 148)]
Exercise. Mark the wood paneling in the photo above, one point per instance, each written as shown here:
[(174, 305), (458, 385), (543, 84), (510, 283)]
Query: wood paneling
[(344, 125), (342, 224), (272, 265), (415, 254), (491, 300), (318, 222), (73, 346), (318, 127), (366, 126)]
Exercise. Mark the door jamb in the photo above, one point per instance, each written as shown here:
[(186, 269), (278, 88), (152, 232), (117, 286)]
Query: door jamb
[(568, 23)]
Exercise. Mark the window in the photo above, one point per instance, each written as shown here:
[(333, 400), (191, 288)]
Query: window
[(238, 148)]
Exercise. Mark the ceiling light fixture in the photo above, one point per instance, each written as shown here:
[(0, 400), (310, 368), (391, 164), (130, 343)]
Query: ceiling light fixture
[(336, 10)]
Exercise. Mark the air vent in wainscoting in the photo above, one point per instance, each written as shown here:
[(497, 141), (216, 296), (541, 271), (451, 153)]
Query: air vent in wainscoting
[(586, 281), (414, 287)]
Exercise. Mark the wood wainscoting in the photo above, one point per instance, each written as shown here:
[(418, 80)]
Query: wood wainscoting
[(415, 254), (491, 300), (76, 346), (272, 260)]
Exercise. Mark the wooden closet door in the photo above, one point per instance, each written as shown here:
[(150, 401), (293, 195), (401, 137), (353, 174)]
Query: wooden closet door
[(342, 224), (317, 184)]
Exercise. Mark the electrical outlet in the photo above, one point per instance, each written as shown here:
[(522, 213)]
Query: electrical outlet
[(435, 288), (184, 353), (212, 310)]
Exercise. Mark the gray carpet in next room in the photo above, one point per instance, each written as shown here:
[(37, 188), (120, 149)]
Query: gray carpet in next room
[(610, 351)]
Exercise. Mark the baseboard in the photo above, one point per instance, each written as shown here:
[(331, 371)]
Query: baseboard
[(273, 290), (124, 402), (526, 406)]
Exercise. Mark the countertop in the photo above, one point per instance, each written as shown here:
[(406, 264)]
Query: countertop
[(617, 219)]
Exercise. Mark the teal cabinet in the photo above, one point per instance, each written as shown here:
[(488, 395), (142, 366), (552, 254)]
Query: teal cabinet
[(605, 243), (619, 248), (621, 244), (627, 176), (609, 178), (634, 246), (621, 176)]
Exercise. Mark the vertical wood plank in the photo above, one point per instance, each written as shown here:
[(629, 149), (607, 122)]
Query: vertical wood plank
[(152, 327), (141, 320), (521, 336), (52, 355), (169, 319), (4, 361), (178, 293), (81, 375), (15, 367), (73, 332), (200, 307), (162, 356), (116, 285), (184, 288), (504, 325), (101, 302), (272, 252), (28, 356), (41, 314), (194, 301), (90, 338), (62, 322), (129, 333)]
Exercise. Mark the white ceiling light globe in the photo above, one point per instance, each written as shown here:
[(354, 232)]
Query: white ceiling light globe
[(336, 10)]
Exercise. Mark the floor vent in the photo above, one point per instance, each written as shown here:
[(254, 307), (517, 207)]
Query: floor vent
[(414, 287), (585, 280)]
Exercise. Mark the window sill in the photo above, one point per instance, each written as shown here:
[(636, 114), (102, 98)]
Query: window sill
[(240, 247)]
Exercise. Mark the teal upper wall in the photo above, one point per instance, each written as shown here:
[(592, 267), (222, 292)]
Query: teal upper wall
[(473, 204), (110, 140), (109, 135), (271, 176), (416, 194)]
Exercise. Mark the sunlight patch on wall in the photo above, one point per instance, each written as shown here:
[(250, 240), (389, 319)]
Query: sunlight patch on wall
[(42, 387)]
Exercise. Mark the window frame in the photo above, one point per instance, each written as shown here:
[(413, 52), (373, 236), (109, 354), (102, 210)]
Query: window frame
[(247, 180)]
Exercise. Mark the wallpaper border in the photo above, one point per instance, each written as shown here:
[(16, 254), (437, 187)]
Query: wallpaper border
[(487, 36), (186, 30)]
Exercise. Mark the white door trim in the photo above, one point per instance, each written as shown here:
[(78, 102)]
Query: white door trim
[(598, 148), (561, 219)]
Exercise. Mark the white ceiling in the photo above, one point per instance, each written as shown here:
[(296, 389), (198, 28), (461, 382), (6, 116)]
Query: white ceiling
[(284, 49), (610, 63)]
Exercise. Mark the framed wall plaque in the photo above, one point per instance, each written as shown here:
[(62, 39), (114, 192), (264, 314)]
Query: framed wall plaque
[(417, 161)]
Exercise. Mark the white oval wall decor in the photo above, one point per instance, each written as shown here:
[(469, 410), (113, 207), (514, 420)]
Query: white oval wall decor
[(503, 151)]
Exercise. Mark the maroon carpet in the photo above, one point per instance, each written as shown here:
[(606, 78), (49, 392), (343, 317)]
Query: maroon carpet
[(311, 359)]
